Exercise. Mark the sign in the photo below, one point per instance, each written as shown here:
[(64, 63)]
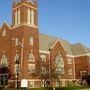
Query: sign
[(24, 83)]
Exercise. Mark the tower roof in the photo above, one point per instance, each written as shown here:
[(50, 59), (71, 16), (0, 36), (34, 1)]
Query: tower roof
[(24, 0), (31, 1)]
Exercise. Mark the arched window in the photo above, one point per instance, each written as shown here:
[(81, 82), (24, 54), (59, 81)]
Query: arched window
[(59, 64), (28, 16), (19, 16), (4, 60), (32, 17), (31, 57), (16, 17)]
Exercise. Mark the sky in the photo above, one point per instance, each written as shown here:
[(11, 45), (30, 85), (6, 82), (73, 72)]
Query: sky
[(66, 19)]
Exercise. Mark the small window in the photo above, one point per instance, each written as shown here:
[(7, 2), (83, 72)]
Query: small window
[(43, 58), (63, 83), (59, 70), (31, 68), (43, 70), (31, 84), (70, 71), (17, 42), (31, 40), (31, 57), (69, 61)]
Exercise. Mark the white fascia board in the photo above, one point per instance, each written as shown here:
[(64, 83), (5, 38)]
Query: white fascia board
[(45, 52)]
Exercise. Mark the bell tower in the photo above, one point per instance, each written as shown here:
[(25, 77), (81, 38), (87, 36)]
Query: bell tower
[(24, 12), (25, 30)]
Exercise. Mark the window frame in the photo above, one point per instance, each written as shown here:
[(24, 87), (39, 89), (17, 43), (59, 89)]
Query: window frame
[(59, 64), (43, 57), (31, 40), (31, 68), (4, 60), (70, 71), (31, 57), (69, 61)]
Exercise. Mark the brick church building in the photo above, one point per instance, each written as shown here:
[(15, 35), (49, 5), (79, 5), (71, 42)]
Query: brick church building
[(35, 57)]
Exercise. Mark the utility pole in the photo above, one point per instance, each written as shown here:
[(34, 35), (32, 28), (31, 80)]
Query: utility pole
[(50, 66), (19, 61)]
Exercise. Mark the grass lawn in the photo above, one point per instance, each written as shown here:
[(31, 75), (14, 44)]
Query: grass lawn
[(72, 88), (50, 88)]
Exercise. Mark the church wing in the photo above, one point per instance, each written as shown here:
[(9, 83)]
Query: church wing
[(46, 42)]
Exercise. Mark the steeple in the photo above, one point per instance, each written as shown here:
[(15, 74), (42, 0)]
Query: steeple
[(20, 1), (24, 12), (32, 1), (24, 0)]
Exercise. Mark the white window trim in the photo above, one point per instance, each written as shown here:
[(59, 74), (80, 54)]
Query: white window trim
[(16, 41), (32, 84), (70, 71), (28, 16), (16, 17), (33, 58), (43, 57), (69, 61), (4, 60), (31, 65), (31, 39), (32, 17), (59, 66), (43, 70)]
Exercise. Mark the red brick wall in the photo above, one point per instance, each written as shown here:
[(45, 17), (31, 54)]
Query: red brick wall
[(80, 65), (24, 32), (54, 51), (5, 42)]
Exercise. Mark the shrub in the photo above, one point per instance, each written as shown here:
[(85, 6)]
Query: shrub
[(43, 88)]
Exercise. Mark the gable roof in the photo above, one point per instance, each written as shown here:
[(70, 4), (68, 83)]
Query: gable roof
[(5, 25), (46, 42), (66, 45)]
